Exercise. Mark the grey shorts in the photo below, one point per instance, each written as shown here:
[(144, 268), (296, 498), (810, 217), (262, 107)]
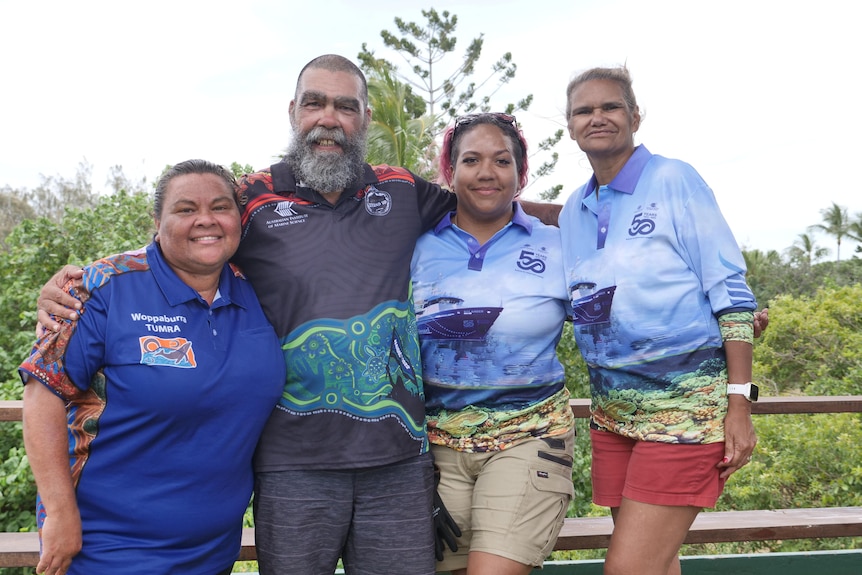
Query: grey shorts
[(376, 520), (509, 503)]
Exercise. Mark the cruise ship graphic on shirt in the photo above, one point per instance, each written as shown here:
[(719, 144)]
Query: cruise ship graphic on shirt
[(445, 317), (591, 307)]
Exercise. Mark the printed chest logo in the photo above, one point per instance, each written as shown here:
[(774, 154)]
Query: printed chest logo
[(168, 352), (377, 202), (285, 209), (533, 260), (643, 222), (288, 215)]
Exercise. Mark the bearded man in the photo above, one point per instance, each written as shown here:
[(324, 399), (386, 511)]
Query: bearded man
[(343, 467)]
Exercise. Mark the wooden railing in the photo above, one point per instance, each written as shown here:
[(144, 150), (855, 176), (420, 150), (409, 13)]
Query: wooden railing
[(22, 549)]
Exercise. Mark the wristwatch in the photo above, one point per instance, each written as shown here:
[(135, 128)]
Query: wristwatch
[(749, 390)]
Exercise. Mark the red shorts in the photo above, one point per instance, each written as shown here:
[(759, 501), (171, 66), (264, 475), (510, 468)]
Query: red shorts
[(656, 473)]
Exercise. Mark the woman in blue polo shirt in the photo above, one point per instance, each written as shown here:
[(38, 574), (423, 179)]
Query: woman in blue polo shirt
[(490, 302), (155, 397)]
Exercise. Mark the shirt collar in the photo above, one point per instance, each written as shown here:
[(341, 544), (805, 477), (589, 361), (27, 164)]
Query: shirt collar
[(519, 218), (627, 179), (177, 292)]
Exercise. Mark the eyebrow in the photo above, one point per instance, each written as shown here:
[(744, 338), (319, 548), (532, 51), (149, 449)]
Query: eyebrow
[(211, 200), (312, 95), (620, 103), (495, 154), (339, 100), (182, 203)]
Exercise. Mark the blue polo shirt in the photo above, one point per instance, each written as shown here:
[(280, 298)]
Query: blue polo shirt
[(167, 397), (650, 264), (489, 318)]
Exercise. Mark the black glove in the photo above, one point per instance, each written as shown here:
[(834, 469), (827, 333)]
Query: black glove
[(445, 528)]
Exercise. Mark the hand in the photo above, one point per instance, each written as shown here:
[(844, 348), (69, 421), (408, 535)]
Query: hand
[(54, 300), (61, 541), (445, 529), (761, 321), (739, 436)]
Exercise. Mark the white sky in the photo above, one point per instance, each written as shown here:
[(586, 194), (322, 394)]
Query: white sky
[(758, 95)]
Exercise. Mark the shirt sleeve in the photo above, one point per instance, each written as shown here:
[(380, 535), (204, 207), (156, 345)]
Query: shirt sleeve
[(249, 188), (434, 202), (737, 326), (66, 361), (711, 249)]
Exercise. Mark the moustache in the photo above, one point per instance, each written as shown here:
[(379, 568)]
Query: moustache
[(319, 133)]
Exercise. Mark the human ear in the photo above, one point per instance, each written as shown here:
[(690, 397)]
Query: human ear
[(290, 110)]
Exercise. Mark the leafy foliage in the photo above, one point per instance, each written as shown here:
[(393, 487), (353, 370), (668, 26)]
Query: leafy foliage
[(49, 199), (827, 445), (395, 136), (804, 252), (16, 482), (578, 384), (238, 170), (814, 343), (40, 247), (438, 94), (424, 47), (770, 276), (577, 377), (13, 210), (800, 461)]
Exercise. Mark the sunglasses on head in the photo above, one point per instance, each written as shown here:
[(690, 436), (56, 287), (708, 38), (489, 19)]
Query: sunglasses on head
[(498, 117)]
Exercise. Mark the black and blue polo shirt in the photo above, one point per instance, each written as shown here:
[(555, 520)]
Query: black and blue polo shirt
[(334, 280)]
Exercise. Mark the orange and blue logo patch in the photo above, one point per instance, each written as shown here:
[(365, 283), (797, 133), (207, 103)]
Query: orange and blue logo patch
[(171, 352)]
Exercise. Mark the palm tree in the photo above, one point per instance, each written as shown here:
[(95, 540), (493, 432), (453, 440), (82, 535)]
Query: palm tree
[(805, 250), (855, 231), (759, 266), (836, 223), (398, 135)]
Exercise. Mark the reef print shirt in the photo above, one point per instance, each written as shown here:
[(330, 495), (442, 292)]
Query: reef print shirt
[(489, 319), (650, 264)]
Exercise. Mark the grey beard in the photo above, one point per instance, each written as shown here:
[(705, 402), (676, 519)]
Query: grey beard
[(326, 172)]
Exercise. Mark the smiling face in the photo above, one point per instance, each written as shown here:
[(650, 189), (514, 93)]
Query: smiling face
[(329, 100), (601, 122), (485, 178), (330, 120), (199, 226)]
